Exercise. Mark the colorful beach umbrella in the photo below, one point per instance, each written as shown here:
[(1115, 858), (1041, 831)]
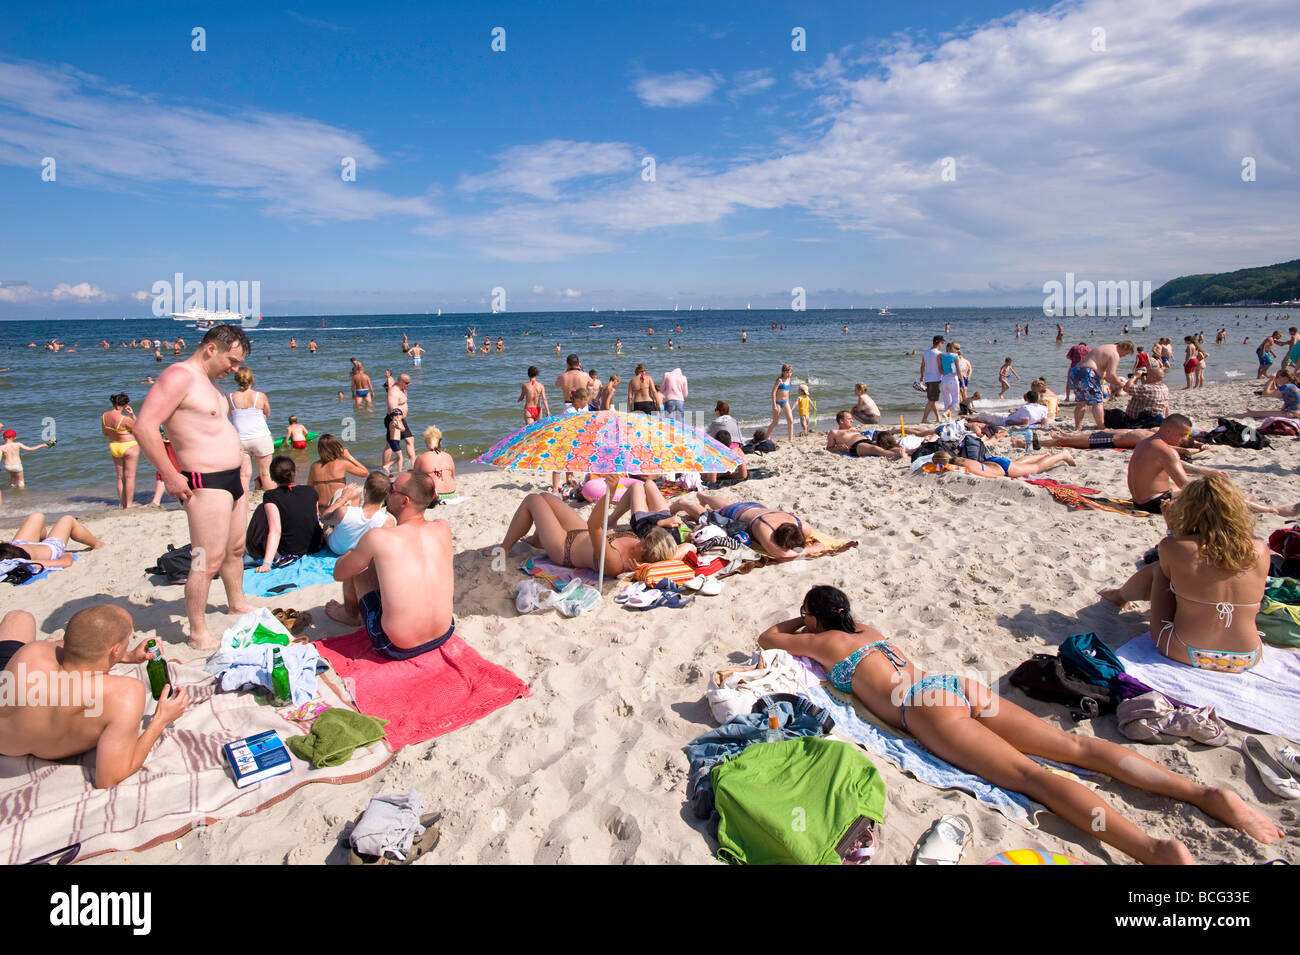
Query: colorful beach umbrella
[(610, 442)]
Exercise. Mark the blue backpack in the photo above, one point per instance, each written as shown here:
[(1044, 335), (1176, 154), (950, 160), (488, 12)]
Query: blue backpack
[(1087, 657)]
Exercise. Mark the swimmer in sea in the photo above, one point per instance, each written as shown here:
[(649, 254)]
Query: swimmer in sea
[(744, 336), (311, 346), (533, 394), (293, 344), (417, 354), (406, 345), (361, 386), (501, 345)]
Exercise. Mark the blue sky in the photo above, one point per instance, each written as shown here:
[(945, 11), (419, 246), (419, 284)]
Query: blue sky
[(774, 168)]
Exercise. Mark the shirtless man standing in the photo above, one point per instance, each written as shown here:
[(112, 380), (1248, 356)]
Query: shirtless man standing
[(361, 387), (1100, 365), (398, 581), (397, 402), (82, 707), (533, 394), (642, 395), (572, 379), (848, 439), (607, 392), (185, 401), (1156, 471)]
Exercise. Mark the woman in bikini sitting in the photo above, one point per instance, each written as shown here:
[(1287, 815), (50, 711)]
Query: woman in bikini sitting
[(961, 720), (1211, 551), (572, 542), (438, 464), (116, 425), (38, 543), (777, 533), (329, 474)]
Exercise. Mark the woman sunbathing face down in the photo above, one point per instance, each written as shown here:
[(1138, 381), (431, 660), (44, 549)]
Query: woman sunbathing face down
[(994, 467), (1207, 586), (961, 720)]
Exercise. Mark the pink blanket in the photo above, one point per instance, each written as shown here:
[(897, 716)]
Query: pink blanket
[(425, 696)]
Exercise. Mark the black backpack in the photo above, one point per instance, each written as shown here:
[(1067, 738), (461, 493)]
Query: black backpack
[(1044, 677), (173, 565), (1237, 435)]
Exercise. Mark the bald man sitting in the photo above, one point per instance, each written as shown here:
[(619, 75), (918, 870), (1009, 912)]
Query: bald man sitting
[(57, 699)]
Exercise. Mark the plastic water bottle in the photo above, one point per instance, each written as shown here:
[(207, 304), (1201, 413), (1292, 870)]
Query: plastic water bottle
[(281, 692), (156, 670), (773, 734)]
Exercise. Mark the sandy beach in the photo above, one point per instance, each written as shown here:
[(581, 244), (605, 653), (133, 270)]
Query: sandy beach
[(970, 574)]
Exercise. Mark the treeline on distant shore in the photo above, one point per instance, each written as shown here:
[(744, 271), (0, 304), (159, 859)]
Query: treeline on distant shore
[(1258, 286)]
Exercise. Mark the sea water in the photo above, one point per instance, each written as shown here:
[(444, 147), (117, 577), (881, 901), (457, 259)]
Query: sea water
[(472, 399)]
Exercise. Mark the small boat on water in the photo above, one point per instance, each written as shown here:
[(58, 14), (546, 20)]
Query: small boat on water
[(596, 325), (205, 318)]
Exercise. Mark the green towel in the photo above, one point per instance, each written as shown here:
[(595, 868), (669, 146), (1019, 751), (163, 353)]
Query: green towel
[(1283, 589), (334, 736)]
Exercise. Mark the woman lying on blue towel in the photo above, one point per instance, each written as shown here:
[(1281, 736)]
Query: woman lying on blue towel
[(961, 720)]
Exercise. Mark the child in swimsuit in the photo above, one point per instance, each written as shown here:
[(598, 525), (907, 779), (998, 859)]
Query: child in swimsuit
[(13, 461), (1004, 376), (804, 406), (295, 434)]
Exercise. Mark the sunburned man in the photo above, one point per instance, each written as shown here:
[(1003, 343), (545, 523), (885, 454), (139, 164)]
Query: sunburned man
[(1156, 471), (186, 402), (82, 707), (398, 582), (1087, 379)]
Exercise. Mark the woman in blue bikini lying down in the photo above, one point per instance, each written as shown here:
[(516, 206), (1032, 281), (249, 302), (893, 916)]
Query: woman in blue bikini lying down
[(1212, 552), (964, 722), (777, 533)]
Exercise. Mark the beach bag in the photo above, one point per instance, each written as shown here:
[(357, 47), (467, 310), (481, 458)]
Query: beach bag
[(1044, 677), (1088, 658), (1285, 541), (673, 569), (758, 447), (973, 448), (174, 565), (1237, 435)]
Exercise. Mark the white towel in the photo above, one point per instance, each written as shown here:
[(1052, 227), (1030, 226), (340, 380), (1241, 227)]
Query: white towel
[(1265, 698)]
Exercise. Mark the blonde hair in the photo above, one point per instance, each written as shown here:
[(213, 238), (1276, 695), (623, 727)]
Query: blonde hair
[(580, 398), (1212, 510), (433, 438), (786, 370), (658, 545), (244, 377), (859, 389)]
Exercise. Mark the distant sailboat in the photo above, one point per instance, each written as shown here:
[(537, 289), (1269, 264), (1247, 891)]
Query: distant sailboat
[(440, 313), (748, 306)]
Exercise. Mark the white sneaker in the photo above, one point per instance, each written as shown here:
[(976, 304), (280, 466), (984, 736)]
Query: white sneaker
[(1289, 757), (1272, 773)]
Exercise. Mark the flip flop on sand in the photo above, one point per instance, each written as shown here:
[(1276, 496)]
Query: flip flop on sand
[(944, 843), (423, 844)]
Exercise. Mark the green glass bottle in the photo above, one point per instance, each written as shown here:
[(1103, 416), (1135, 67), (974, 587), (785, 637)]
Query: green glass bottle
[(157, 670), (281, 693)]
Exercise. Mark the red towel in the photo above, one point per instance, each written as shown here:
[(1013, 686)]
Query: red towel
[(425, 696)]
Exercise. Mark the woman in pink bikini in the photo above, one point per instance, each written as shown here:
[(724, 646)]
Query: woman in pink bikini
[(1211, 552)]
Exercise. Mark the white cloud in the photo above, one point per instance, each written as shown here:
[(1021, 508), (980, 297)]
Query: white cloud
[(140, 295), (1131, 156), (539, 289), (750, 81), (109, 136), (538, 171), (572, 293), (17, 293), (685, 88), (81, 292)]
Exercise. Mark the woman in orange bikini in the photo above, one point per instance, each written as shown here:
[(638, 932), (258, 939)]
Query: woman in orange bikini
[(1211, 551), (117, 426)]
